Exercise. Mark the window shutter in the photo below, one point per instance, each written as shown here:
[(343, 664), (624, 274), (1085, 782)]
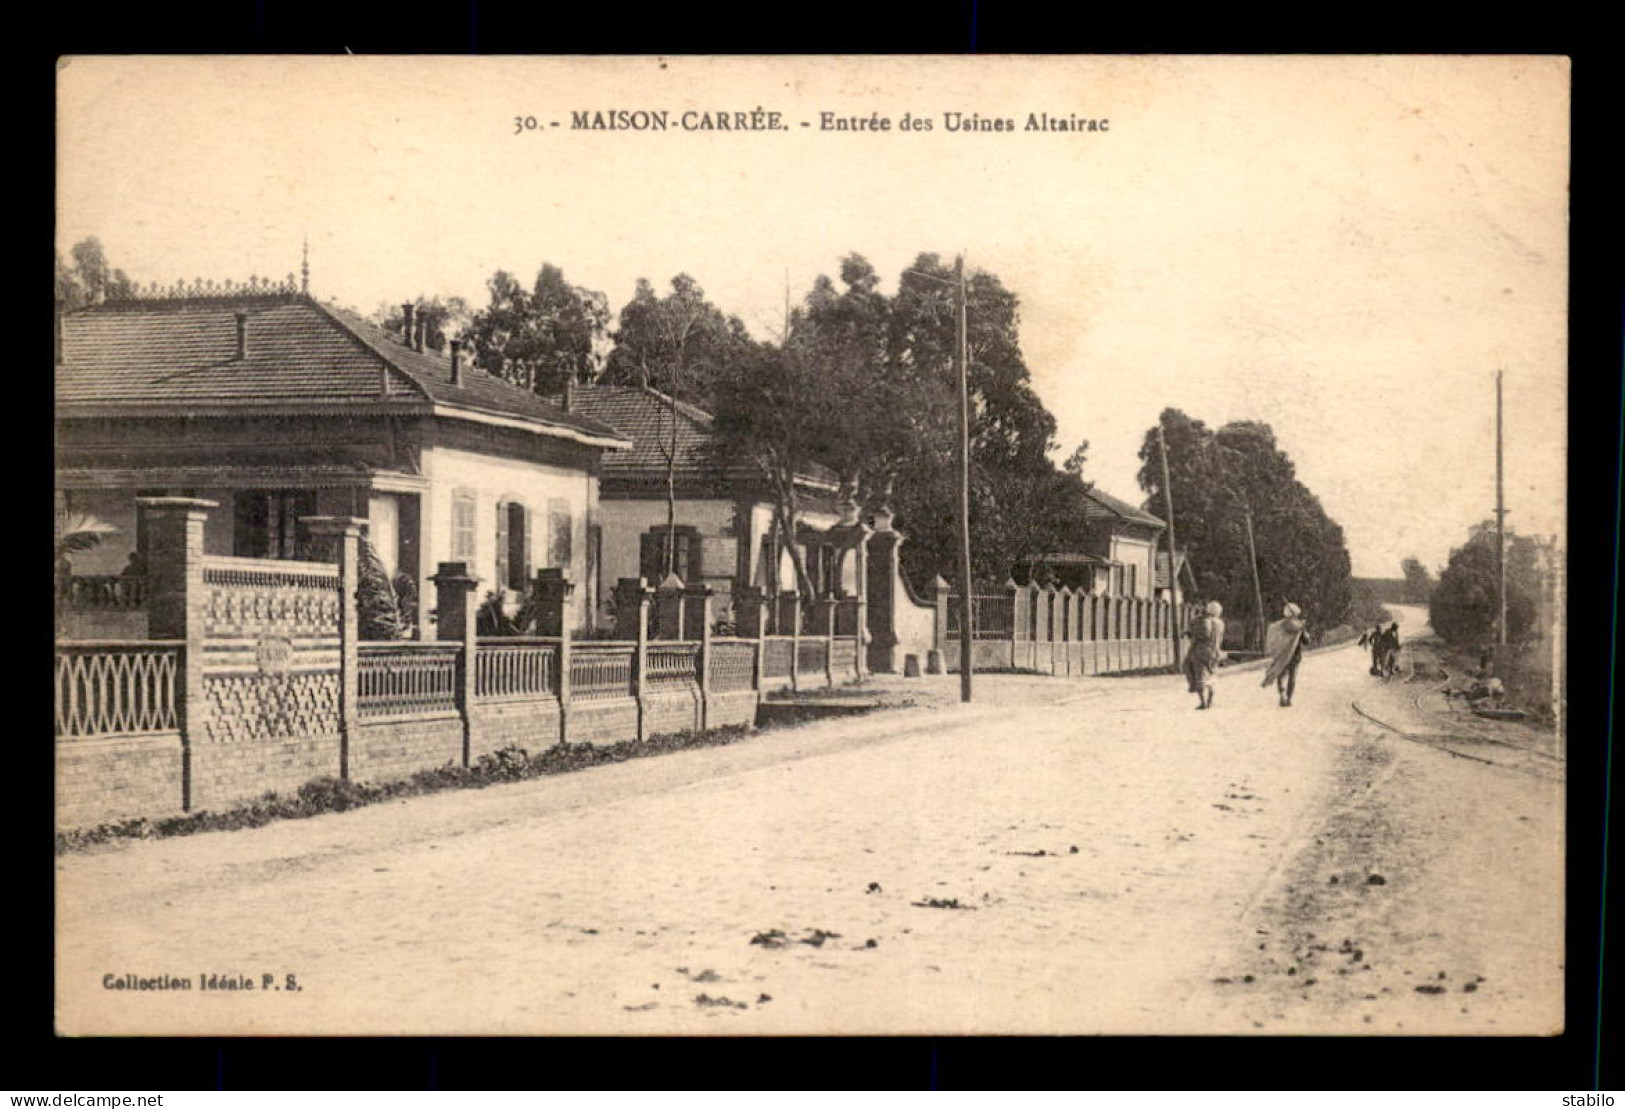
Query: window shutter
[(529, 545), (502, 546)]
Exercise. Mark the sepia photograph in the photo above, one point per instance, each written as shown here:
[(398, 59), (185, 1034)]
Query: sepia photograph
[(745, 546)]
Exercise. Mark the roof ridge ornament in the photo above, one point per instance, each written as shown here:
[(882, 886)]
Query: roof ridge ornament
[(204, 289)]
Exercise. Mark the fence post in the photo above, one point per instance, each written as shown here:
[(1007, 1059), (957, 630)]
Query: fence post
[(790, 603), (826, 623), (632, 614), (751, 613), (631, 594), (942, 596), (456, 618), (175, 581), (552, 591), (669, 608), (699, 612), (342, 537), (1020, 618)]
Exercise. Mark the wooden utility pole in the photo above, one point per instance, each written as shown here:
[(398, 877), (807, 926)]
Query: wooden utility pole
[(1252, 553), (1173, 547), (960, 359), (1500, 525)]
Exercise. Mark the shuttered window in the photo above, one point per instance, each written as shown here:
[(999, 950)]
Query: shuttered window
[(513, 544), (463, 543)]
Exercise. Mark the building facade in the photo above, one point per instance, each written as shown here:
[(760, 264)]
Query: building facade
[(279, 407)]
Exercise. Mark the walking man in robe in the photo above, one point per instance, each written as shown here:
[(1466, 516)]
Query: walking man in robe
[(1284, 643), (1206, 652)]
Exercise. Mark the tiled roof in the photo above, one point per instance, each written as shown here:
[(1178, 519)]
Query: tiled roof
[(1101, 505), (161, 355), (645, 416)]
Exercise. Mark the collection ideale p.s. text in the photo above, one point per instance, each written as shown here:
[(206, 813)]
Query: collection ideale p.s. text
[(203, 983)]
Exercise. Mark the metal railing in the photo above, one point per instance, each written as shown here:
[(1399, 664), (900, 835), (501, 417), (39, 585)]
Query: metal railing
[(732, 665), (812, 656), (991, 617), (779, 655), (516, 669), (403, 679), (109, 688)]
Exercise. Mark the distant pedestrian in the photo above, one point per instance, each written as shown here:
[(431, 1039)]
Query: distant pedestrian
[(1391, 658), (1373, 640), (1206, 652), (1284, 643)]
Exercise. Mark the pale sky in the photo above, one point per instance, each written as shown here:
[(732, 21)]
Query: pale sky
[(1345, 248)]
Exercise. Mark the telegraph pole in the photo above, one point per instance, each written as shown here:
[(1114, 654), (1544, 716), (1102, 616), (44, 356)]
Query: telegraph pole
[(1173, 546), (1252, 553), (1500, 525), (960, 359)]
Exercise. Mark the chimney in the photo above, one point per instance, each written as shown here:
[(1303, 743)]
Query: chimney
[(406, 328), (242, 335), (422, 329), (568, 400), (456, 361)]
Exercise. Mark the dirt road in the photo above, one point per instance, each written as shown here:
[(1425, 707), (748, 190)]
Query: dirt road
[(1083, 856)]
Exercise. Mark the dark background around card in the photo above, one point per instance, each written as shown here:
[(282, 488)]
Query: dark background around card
[(37, 1061)]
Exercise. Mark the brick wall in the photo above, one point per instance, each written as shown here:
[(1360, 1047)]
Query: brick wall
[(532, 725), (388, 749), (110, 779), (225, 774)]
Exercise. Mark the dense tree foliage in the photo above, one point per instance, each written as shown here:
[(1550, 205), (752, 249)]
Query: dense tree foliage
[(536, 337), (1419, 581), (1464, 605), (89, 278), (677, 343), (1224, 480)]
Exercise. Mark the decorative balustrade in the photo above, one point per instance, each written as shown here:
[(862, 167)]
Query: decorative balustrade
[(102, 591), (672, 664), (732, 665), (601, 670), (116, 688), (516, 669), (779, 655), (404, 679)]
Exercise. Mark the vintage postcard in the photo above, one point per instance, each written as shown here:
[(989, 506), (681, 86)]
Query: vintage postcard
[(762, 546)]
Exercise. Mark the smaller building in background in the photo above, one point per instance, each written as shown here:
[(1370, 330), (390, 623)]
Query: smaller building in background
[(1118, 557), (724, 533)]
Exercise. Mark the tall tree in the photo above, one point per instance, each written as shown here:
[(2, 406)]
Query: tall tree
[(1464, 603), (1419, 581), (89, 279), (537, 337), (676, 345), (769, 416), (1235, 480)]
